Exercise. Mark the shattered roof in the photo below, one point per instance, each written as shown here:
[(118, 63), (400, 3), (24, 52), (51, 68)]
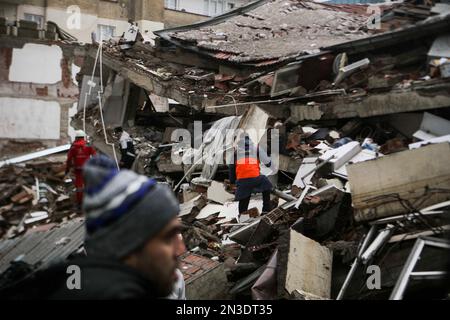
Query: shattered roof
[(44, 247), (272, 30)]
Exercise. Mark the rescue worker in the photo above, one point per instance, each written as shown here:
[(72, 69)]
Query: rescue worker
[(77, 156), (126, 149), (245, 173), (132, 242)]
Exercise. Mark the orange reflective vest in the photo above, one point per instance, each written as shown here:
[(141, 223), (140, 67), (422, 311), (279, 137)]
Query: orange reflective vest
[(247, 168)]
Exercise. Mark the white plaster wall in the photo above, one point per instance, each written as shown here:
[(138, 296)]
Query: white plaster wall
[(36, 63), (149, 25), (194, 6), (198, 6), (29, 119)]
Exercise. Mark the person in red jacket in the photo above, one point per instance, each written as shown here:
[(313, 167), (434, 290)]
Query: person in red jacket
[(78, 154)]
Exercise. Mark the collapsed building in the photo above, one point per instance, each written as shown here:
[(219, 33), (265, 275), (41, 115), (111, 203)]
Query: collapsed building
[(38, 94), (362, 180)]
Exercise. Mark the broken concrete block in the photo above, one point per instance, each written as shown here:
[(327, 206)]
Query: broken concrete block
[(378, 185), (305, 172), (192, 207), (217, 193), (205, 278), (289, 164), (304, 265), (188, 195), (208, 210), (242, 235), (361, 156), (432, 127), (340, 156)]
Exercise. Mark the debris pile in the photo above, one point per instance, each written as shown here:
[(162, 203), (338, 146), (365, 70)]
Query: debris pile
[(344, 192), (33, 194)]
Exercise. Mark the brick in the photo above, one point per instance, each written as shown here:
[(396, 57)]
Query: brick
[(207, 285), (42, 91)]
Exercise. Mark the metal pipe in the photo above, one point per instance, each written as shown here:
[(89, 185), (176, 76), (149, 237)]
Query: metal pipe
[(402, 282), (382, 237), (428, 275), (355, 263), (283, 195)]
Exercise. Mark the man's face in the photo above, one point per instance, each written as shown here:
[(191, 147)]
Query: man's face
[(157, 260)]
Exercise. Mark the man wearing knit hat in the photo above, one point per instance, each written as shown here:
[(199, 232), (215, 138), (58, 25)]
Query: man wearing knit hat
[(132, 240)]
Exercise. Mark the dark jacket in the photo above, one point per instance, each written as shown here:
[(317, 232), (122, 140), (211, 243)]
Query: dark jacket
[(245, 187), (102, 279)]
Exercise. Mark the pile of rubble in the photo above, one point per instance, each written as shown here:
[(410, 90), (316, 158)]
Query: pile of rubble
[(34, 196), (364, 181)]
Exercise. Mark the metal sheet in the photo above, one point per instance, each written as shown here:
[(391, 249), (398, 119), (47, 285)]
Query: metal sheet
[(35, 155)]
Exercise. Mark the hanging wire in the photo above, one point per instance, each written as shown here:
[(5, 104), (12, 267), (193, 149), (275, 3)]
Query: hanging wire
[(234, 101), (88, 94), (100, 94)]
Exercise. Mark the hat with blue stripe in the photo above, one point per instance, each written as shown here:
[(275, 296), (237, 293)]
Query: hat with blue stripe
[(123, 209)]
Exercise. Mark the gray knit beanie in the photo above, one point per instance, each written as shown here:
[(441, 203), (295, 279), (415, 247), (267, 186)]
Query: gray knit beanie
[(123, 209)]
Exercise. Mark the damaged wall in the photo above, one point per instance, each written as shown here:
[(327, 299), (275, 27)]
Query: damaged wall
[(27, 64), (36, 93), (29, 119)]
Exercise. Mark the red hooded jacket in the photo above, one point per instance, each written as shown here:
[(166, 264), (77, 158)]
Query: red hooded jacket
[(78, 154)]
